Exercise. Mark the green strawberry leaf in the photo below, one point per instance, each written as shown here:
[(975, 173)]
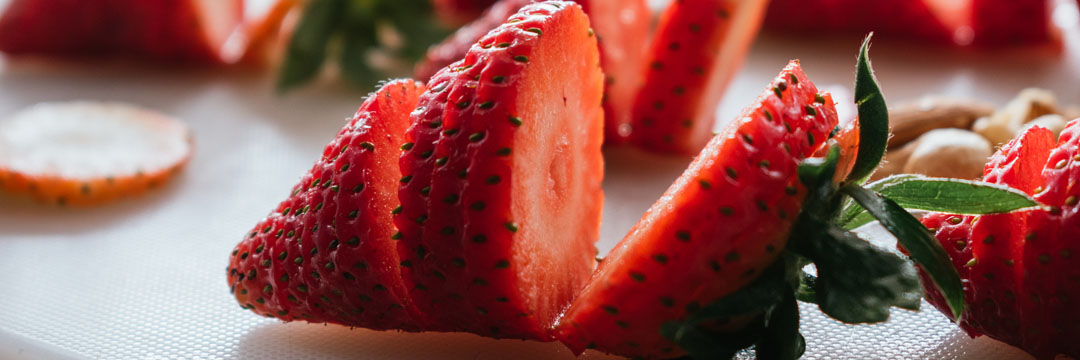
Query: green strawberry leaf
[(781, 339), (939, 194), (917, 240), (858, 282), (306, 52), (873, 118)]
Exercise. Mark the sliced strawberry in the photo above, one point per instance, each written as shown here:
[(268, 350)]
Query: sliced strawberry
[(86, 153), (508, 183), (1010, 22), (171, 30), (697, 49), (325, 254), (622, 28), (723, 221)]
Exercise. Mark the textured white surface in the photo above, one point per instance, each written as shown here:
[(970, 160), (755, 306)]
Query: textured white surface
[(145, 278)]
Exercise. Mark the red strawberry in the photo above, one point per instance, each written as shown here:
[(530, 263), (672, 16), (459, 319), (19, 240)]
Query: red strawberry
[(173, 30), (696, 50), (460, 11), (723, 221), (325, 254), (927, 20), (501, 202), (1010, 22), (621, 28), (1021, 284)]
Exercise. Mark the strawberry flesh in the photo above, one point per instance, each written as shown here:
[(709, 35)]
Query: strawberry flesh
[(325, 255), (718, 226)]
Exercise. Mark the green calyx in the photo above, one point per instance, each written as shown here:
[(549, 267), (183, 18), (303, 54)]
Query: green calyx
[(350, 30), (853, 280)]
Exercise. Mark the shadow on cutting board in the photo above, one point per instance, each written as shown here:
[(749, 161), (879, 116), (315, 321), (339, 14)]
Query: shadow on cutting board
[(337, 342), (21, 215)]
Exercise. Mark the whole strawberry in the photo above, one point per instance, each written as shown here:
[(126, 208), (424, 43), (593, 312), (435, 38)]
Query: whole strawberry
[(325, 254)]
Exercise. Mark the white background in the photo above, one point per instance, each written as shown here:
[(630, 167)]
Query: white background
[(145, 278)]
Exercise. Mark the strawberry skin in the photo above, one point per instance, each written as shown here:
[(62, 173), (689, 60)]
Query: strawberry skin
[(503, 198), (698, 46), (622, 28), (325, 254), (722, 222), (953, 232)]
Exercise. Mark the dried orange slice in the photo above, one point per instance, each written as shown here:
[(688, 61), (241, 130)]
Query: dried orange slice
[(89, 152)]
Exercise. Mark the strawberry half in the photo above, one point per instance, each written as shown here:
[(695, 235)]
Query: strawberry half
[(621, 28), (502, 170), (325, 254), (696, 50), (724, 221)]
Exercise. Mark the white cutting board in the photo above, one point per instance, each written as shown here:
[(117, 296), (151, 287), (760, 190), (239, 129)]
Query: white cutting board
[(145, 278)]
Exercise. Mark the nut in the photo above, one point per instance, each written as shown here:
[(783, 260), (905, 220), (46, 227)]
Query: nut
[(911, 120), (895, 161), (1007, 122), (950, 153)]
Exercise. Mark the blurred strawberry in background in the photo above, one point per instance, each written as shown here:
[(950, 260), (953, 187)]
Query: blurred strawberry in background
[(982, 23), (169, 30)]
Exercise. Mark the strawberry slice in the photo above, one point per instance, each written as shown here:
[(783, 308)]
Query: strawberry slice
[(171, 30), (502, 203), (696, 51), (325, 254), (621, 28), (86, 153), (716, 228)]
